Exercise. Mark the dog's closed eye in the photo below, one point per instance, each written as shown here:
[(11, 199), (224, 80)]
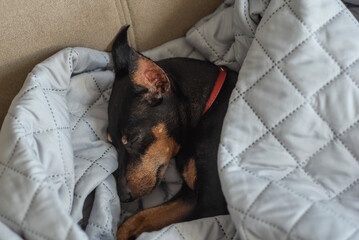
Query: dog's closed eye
[(134, 139), (131, 140)]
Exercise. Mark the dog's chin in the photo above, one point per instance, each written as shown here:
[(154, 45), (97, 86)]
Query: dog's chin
[(131, 191), (130, 198), (133, 196)]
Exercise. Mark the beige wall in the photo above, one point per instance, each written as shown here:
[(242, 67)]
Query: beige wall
[(31, 31)]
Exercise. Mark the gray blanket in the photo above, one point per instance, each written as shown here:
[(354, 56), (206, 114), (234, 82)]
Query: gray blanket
[(288, 156)]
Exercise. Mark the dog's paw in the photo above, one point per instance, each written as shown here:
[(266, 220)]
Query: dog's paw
[(125, 233), (131, 228)]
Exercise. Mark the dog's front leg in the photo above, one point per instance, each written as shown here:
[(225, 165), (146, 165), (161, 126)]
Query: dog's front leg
[(153, 219)]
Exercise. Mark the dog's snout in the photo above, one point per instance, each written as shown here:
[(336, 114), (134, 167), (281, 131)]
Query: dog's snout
[(124, 190)]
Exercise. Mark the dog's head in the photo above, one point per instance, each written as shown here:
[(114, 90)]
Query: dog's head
[(143, 120)]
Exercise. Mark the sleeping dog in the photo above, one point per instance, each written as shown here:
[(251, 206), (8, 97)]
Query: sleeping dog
[(160, 110)]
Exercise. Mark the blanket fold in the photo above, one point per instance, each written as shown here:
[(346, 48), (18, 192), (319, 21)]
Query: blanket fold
[(288, 156), (53, 153)]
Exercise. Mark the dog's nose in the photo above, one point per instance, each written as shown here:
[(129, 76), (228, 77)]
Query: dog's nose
[(124, 191)]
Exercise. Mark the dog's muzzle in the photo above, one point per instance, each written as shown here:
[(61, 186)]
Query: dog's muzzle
[(123, 190)]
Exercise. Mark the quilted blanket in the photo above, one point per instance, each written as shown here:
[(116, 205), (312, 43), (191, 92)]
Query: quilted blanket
[(288, 157)]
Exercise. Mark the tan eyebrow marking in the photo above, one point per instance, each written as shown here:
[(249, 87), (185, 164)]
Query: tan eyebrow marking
[(124, 140)]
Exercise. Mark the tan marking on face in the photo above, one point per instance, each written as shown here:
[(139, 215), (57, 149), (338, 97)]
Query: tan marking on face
[(109, 138), (190, 173), (142, 177), (124, 140), (155, 219)]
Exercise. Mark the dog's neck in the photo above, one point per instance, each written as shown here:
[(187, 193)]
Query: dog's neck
[(194, 81)]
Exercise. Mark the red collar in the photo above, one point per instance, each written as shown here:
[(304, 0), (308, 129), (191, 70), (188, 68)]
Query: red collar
[(216, 89)]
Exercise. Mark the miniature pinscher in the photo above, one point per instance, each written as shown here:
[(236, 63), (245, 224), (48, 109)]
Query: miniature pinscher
[(160, 110)]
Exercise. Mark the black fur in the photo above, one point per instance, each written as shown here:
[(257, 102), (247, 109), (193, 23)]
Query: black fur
[(181, 110)]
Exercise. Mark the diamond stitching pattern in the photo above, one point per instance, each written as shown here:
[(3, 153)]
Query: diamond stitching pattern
[(307, 96), (65, 175), (239, 159)]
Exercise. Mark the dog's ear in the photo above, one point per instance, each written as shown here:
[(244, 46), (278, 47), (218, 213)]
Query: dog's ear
[(121, 52), (147, 74)]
